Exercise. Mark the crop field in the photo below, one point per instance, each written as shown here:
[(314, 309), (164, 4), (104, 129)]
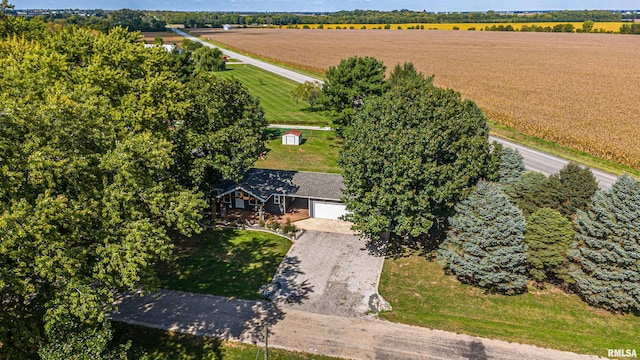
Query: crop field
[(604, 26), (579, 90), (168, 37)]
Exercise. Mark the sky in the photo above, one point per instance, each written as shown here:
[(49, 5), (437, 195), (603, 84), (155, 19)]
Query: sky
[(330, 5)]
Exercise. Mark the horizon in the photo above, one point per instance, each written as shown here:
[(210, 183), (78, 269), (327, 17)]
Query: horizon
[(329, 6)]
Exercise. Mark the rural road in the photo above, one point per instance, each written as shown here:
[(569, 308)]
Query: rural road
[(292, 75), (534, 160), (347, 337)]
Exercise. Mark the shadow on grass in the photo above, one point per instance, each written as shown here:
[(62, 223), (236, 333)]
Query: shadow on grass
[(225, 263)]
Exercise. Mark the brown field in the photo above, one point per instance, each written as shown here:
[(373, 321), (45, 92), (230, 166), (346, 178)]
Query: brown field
[(579, 90), (169, 37)]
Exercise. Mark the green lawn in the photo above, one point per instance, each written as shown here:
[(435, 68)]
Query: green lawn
[(274, 93), (227, 262), (161, 345), (421, 294), (318, 152)]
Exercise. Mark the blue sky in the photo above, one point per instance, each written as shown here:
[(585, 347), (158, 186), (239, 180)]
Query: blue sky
[(329, 5)]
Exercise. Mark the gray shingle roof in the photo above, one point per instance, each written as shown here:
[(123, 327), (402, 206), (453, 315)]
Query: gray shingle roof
[(264, 182)]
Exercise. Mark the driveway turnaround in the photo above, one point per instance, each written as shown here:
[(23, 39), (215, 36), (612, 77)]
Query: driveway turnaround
[(329, 273), (347, 337)]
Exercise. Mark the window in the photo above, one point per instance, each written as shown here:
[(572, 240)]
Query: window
[(253, 201), (277, 199), (226, 200)]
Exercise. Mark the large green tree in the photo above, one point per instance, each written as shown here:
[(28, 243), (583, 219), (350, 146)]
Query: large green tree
[(606, 250), (485, 245), (549, 236), (208, 59), (348, 84), (90, 134), (412, 154)]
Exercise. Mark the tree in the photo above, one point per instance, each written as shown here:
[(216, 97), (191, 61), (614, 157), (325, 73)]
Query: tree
[(587, 26), (406, 74), (412, 154), (485, 245), (348, 84), (606, 250), (86, 191), (548, 237), (208, 59), (511, 167), (222, 134), (307, 92), (578, 186)]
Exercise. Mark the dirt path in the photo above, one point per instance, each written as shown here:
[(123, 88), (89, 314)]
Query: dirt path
[(348, 337)]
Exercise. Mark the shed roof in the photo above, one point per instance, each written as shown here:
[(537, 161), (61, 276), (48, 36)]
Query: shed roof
[(263, 183), (292, 132)]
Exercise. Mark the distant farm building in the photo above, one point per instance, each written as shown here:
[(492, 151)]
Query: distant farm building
[(226, 27), (292, 137)]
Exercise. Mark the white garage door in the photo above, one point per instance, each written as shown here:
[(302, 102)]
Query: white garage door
[(328, 210)]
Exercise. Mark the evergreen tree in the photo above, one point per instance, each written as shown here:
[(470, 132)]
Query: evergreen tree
[(512, 166), (485, 245), (606, 250), (578, 186), (525, 192), (548, 238)]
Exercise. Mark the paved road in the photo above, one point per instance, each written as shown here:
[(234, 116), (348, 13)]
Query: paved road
[(292, 75), (533, 159), (348, 337)]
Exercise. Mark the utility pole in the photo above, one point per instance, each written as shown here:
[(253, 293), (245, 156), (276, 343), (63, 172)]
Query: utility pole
[(266, 343)]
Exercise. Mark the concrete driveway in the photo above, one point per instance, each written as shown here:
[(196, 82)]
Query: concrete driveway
[(329, 273)]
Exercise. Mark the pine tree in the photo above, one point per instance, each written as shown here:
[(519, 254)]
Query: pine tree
[(485, 246), (578, 186), (511, 167), (606, 251), (548, 237)]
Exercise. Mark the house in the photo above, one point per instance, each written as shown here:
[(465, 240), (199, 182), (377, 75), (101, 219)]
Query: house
[(166, 47), (292, 137), (280, 191)]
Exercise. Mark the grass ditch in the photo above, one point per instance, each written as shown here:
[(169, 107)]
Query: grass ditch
[(422, 294)]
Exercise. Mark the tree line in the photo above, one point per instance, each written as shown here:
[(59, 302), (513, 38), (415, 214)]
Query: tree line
[(105, 148), (420, 173), (199, 19)]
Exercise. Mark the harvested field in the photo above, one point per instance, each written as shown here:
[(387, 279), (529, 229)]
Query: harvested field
[(168, 37), (580, 90)]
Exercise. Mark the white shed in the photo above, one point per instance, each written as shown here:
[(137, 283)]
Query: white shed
[(292, 137), (226, 27)]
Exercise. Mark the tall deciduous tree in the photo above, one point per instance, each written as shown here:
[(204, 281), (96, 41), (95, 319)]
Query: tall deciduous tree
[(348, 84), (549, 236), (606, 250), (86, 187), (412, 154), (406, 75), (208, 59), (485, 245), (511, 167)]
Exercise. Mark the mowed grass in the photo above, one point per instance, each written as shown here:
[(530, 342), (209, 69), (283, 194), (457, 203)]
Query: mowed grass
[(227, 262), (421, 294), (161, 345), (318, 152), (275, 97)]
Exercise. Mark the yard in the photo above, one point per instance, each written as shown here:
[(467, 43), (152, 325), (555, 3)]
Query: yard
[(421, 294), (160, 345), (275, 97), (318, 152), (229, 262)]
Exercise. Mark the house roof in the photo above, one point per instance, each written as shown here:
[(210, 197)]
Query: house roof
[(292, 132), (262, 183)]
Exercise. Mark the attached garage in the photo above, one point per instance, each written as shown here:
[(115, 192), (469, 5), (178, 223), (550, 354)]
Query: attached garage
[(327, 210)]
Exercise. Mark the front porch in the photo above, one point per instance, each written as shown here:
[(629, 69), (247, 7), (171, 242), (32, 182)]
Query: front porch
[(253, 217)]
